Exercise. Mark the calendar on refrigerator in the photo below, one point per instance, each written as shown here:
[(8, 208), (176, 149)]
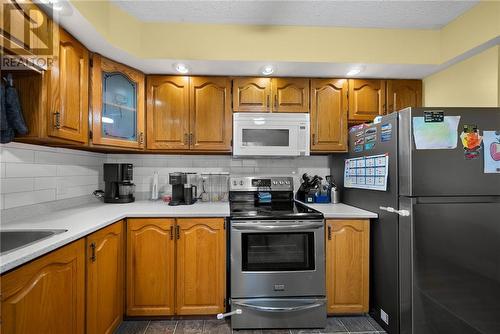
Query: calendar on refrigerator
[(369, 172)]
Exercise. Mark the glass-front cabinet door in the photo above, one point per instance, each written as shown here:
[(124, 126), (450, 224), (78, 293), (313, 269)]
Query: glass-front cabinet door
[(117, 105)]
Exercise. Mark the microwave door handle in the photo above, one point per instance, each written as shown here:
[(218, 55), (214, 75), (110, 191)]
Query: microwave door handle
[(279, 309), (250, 226)]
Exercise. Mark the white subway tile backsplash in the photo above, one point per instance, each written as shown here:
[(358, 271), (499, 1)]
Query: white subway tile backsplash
[(29, 170), (41, 176), (28, 198), (71, 170), (49, 182), (17, 155), (16, 185)]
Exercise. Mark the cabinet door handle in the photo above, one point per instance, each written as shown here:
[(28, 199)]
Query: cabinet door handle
[(314, 138), (267, 101), (171, 232), (57, 121), (329, 232), (191, 139), (141, 138), (276, 102), (177, 232), (92, 252), (186, 139)]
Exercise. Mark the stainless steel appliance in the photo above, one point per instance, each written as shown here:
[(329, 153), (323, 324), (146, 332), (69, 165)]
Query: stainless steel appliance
[(271, 134), (183, 191), (277, 256), (118, 186), (435, 247)]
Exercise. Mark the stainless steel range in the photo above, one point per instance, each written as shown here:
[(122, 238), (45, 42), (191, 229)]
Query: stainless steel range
[(277, 256)]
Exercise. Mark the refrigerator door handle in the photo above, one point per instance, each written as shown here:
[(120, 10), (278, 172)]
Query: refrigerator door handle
[(404, 213)]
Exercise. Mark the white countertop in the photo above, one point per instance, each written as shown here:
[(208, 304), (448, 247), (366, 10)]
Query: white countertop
[(341, 211), (84, 220), (81, 221)]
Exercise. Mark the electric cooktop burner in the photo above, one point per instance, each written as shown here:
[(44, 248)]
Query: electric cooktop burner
[(273, 211)]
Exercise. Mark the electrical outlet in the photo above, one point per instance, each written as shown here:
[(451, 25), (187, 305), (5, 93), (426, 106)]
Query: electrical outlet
[(384, 316)]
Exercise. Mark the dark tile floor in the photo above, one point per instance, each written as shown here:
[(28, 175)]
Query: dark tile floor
[(338, 325)]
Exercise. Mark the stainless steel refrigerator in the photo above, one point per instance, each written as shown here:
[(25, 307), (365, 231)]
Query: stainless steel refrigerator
[(435, 261)]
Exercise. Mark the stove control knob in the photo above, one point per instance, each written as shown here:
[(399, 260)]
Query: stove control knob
[(287, 182), (275, 182), (235, 183), (241, 182), (281, 182)]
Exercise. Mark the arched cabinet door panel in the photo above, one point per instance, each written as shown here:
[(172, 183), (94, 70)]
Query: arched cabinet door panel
[(150, 266), (252, 94), (211, 121), (168, 112), (201, 254), (47, 295), (290, 95), (403, 94), (105, 279), (366, 99), (117, 105), (68, 95), (329, 115), (347, 266)]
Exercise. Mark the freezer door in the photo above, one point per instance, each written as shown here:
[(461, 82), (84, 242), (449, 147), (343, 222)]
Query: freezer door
[(445, 172), (453, 280)]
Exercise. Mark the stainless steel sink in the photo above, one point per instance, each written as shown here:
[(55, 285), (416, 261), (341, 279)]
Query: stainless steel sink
[(13, 239)]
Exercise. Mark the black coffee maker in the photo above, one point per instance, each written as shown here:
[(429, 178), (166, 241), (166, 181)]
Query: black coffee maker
[(118, 186), (183, 193)]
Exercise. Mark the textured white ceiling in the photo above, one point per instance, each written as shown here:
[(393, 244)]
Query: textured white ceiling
[(404, 14)]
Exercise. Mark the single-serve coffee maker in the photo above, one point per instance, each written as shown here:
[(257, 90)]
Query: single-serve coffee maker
[(184, 192), (118, 186)]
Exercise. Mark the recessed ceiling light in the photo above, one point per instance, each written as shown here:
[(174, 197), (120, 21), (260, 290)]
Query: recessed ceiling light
[(353, 71), (268, 70), (181, 68)]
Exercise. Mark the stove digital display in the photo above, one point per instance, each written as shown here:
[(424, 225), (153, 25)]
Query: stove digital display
[(261, 182)]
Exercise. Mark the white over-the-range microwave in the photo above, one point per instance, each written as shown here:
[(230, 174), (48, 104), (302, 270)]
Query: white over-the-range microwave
[(271, 134)]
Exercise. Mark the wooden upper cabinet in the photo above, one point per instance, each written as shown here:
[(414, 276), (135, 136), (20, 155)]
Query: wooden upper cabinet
[(117, 105), (210, 114), (150, 267), (46, 295), (167, 113), (68, 95), (252, 94), (347, 266), (290, 95), (105, 259), (201, 266), (329, 115), (366, 99), (403, 93)]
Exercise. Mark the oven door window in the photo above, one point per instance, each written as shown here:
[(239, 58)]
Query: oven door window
[(265, 137), (278, 251)]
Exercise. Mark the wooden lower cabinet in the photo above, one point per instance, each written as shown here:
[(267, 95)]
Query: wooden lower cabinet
[(150, 267), (46, 295), (201, 266), (347, 266), (105, 259)]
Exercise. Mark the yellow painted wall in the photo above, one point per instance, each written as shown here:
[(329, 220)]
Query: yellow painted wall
[(190, 41), (474, 82)]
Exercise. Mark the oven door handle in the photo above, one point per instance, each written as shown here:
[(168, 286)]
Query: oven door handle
[(257, 227), (280, 309)]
